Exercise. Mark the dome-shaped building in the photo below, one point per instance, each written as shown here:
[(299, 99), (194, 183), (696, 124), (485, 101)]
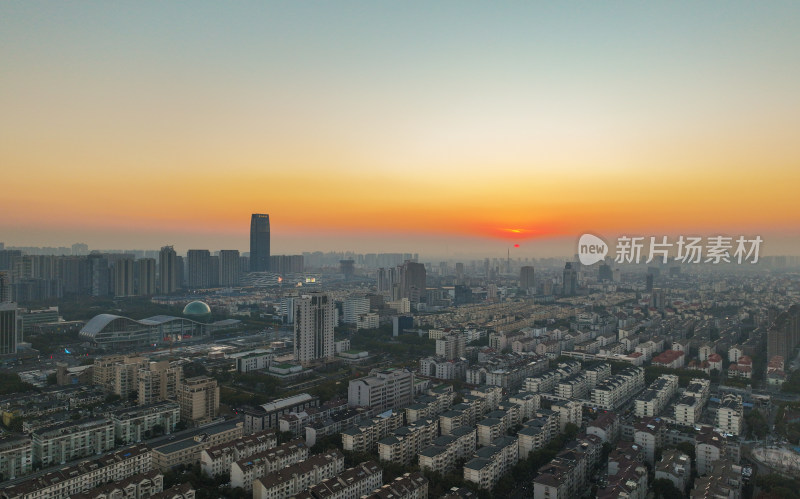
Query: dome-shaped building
[(197, 310)]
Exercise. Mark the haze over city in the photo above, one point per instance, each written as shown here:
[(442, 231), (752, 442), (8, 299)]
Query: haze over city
[(442, 129), (399, 250)]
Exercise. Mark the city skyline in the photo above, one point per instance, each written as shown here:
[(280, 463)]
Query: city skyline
[(417, 129)]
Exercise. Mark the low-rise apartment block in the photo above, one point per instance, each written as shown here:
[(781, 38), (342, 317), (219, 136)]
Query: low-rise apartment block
[(247, 469), (16, 457), (447, 450), (57, 444), (408, 486), (653, 400), (364, 437), (730, 414), (298, 477), (138, 423), (407, 441), (217, 460), (613, 392), (491, 462), (186, 448)]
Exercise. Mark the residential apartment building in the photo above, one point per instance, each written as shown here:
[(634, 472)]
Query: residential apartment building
[(407, 441), (72, 480), (158, 381), (409, 486), (364, 437), (57, 444), (217, 460), (613, 392), (16, 456), (299, 477), (446, 450), (674, 466), (492, 462), (382, 389), (653, 400), (198, 398), (246, 470), (138, 423), (352, 483), (730, 415), (187, 448)]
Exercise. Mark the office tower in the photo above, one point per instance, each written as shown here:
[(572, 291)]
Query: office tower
[(382, 281), (80, 249), (347, 268), (100, 275), (649, 282), (460, 271), (259, 243), (229, 268), (526, 279), (784, 333), (198, 398), (146, 277), (658, 298), (314, 320), (8, 328), (570, 280), (413, 281), (604, 273), (167, 270), (5, 287), (198, 265)]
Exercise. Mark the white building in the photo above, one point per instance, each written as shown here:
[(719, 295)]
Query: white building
[(138, 423), (382, 389), (314, 320), (730, 414), (57, 444)]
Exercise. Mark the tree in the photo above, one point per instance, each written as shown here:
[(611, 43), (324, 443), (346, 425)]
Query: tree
[(663, 488), (570, 431)]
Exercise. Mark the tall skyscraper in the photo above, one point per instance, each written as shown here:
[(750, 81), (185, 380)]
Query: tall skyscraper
[(229, 268), (124, 277), (167, 270), (100, 275), (259, 242), (8, 328), (570, 280), (198, 265), (526, 279), (146, 276), (314, 320), (413, 279)]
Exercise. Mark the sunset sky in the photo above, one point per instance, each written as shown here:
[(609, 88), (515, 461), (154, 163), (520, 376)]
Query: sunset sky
[(434, 127)]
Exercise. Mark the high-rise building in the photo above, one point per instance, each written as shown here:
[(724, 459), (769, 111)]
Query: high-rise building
[(413, 281), (570, 280), (124, 277), (784, 333), (198, 268), (314, 320), (158, 381), (146, 276), (100, 275), (649, 282), (5, 287), (213, 271), (167, 270), (80, 249), (526, 279), (229, 268), (8, 328), (199, 399), (604, 272), (259, 242)]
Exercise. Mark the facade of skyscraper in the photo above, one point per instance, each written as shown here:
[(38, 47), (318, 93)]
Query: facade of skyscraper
[(570, 280), (413, 281), (124, 277), (197, 275), (229, 268), (167, 270), (99, 274), (526, 279), (784, 333), (8, 328), (314, 320), (146, 276), (259, 242)]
